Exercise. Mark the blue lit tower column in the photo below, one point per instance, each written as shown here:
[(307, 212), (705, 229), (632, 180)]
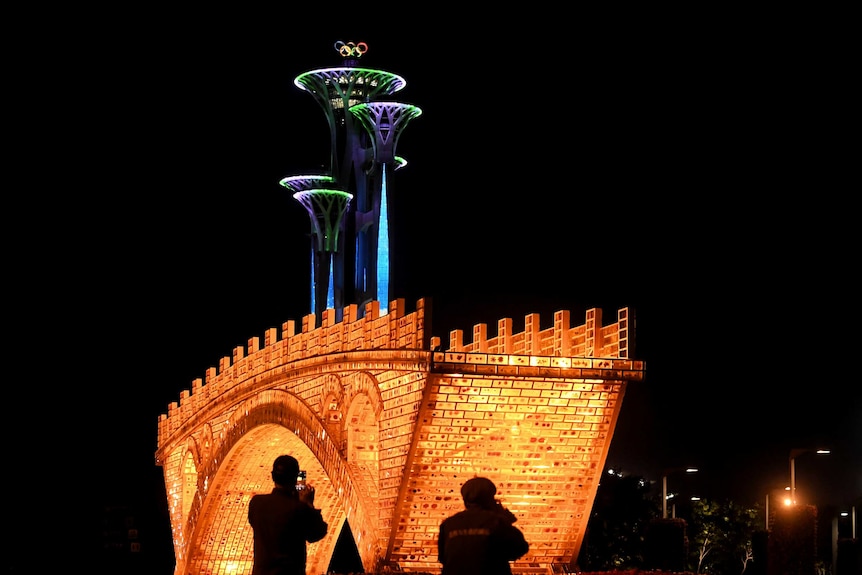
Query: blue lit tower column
[(362, 159), (384, 122), (326, 208)]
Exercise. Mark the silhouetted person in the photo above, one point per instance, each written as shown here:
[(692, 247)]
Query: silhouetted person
[(283, 522), (481, 539)]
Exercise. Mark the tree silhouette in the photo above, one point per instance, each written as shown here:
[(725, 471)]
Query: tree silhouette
[(721, 536), (621, 511)]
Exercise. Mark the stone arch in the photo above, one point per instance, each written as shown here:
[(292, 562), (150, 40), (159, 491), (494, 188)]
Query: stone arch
[(267, 425), (361, 422), (361, 444), (333, 409), (364, 382), (206, 442), (190, 463)]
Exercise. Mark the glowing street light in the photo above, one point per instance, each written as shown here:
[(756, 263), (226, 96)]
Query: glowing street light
[(794, 453), (766, 508), (664, 486)]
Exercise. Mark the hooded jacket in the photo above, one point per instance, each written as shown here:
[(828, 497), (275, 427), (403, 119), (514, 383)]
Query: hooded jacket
[(482, 539)]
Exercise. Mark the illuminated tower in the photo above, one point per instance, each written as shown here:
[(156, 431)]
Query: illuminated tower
[(349, 205), (326, 206)]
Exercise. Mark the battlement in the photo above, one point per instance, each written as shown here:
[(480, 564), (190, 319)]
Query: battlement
[(591, 339), (395, 330)]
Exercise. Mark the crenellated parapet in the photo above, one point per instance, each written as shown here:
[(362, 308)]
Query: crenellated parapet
[(398, 330), (393, 330), (590, 339)]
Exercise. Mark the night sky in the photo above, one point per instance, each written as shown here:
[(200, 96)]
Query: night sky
[(696, 174)]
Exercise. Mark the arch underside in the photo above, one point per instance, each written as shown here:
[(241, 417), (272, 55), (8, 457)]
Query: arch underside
[(273, 424)]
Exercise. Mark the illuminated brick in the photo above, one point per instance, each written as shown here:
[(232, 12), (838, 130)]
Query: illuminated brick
[(415, 424)]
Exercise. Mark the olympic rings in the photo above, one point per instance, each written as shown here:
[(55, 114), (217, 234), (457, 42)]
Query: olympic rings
[(351, 49)]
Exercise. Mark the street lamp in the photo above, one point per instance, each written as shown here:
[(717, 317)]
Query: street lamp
[(794, 453), (836, 534), (766, 509), (664, 486)]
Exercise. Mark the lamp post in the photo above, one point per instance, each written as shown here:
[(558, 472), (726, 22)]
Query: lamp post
[(836, 531), (664, 486), (794, 453)]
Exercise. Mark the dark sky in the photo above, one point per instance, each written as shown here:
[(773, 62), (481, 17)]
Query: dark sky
[(696, 173)]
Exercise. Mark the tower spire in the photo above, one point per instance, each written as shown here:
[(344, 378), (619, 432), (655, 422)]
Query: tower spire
[(364, 130)]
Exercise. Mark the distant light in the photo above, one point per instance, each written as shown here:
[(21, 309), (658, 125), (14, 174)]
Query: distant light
[(844, 514), (695, 498), (691, 470), (823, 452)]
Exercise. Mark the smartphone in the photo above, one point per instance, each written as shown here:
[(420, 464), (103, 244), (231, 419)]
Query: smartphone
[(300, 480)]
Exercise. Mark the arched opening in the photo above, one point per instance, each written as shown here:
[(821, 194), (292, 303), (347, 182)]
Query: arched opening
[(190, 482), (223, 541), (363, 445)]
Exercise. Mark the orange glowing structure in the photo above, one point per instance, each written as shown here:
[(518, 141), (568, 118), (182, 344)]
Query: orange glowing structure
[(389, 430), (387, 421)]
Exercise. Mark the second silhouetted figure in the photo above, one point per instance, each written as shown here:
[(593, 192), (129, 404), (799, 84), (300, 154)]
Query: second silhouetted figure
[(482, 539)]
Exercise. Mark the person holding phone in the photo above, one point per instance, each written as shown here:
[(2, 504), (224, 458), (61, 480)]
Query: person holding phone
[(284, 521)]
